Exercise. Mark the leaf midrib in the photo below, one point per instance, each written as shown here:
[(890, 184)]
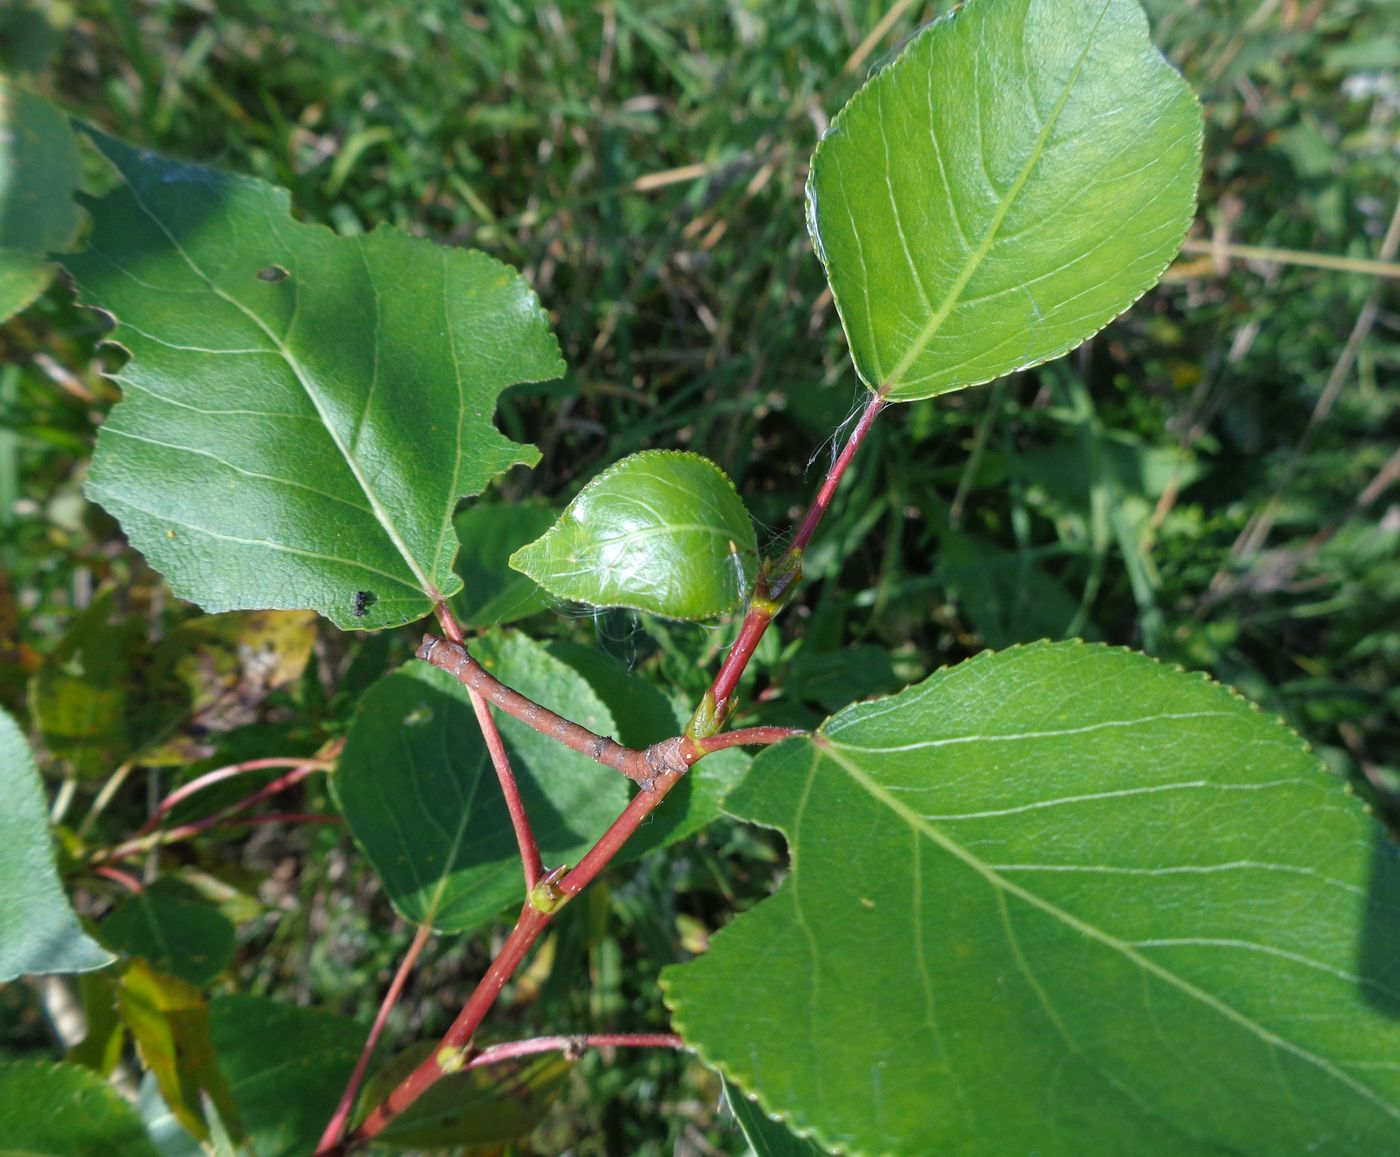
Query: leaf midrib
[(974, 259), (1002, 885), (381, 515)]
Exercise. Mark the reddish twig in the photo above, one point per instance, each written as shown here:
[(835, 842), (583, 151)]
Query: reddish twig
[(779, 579), (199, 783), (746, 737), (125, 879), (530, 861), (336, 1127), (675, 754), (573, 1045), (454, 1050)]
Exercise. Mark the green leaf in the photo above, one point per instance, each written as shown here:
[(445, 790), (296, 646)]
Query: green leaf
[(481, 1108), (1020, 175), (286, 1068), (38, 931), (662, 531), (169, 1020), (493, 594), (65, 1111), (1062, 900), (301, 411), (416, 785), (39, 169), (766, 1137), (176, 933)]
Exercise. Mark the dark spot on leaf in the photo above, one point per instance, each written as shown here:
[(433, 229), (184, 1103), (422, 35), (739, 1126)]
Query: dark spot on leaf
[(363, 601), (272, 273)]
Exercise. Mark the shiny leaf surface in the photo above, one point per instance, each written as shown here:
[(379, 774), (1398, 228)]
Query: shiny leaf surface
[(1064, 900), (301, 411), (661, 531), (1020, 175)]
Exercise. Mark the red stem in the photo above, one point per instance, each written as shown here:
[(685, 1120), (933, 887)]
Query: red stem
[(787, 572), (341, 1116), (125, 879), (747, 736), (199, 783), (573, 1045), (530, 861), (532, 922)]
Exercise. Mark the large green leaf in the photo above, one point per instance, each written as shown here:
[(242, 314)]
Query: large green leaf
[(766, 1137), (65, 1111), (1061, 900), (286, 1068), (417, 788), (38, 931), (301, 411), (38, 173), (661, 531), (1019, 175)]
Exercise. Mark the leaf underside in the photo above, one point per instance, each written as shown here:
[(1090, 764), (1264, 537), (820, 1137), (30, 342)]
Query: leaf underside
[(1062, 900), (1017, 177), (301, 411)]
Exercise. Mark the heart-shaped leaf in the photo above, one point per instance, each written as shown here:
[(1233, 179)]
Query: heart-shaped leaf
[(38, 931), (39, 168), (416, 785), (302, 411), (1019, 176), (662, 531), (1061, 900)]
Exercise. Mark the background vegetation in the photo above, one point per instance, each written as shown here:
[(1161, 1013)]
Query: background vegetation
[(1211, 480)]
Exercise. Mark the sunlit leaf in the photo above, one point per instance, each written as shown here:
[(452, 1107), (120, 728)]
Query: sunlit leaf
[(38, 931), (661, 531), (1062, 900), (1020, 175), (301, 411), (169, 1021)]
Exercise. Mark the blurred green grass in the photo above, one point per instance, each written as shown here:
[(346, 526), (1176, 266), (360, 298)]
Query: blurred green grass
[(1212, 479)]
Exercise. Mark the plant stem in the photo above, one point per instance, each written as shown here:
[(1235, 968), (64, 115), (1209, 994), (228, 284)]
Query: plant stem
[(747, 737), (786, 573), (451, 1052), (530, 862), (336, 1127), (140, 843), (199, 783), (674, 754), (572, 1045)]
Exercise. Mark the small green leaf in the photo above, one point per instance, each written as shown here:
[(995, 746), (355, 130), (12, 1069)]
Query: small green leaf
[(169, 1020), (66, 1111), (39, 169), (38, 931), (662, 531), (493, 594), (301, 411), (1067, 900), (174, 931), (286, 1068), (1020, 175), (416, 785)]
